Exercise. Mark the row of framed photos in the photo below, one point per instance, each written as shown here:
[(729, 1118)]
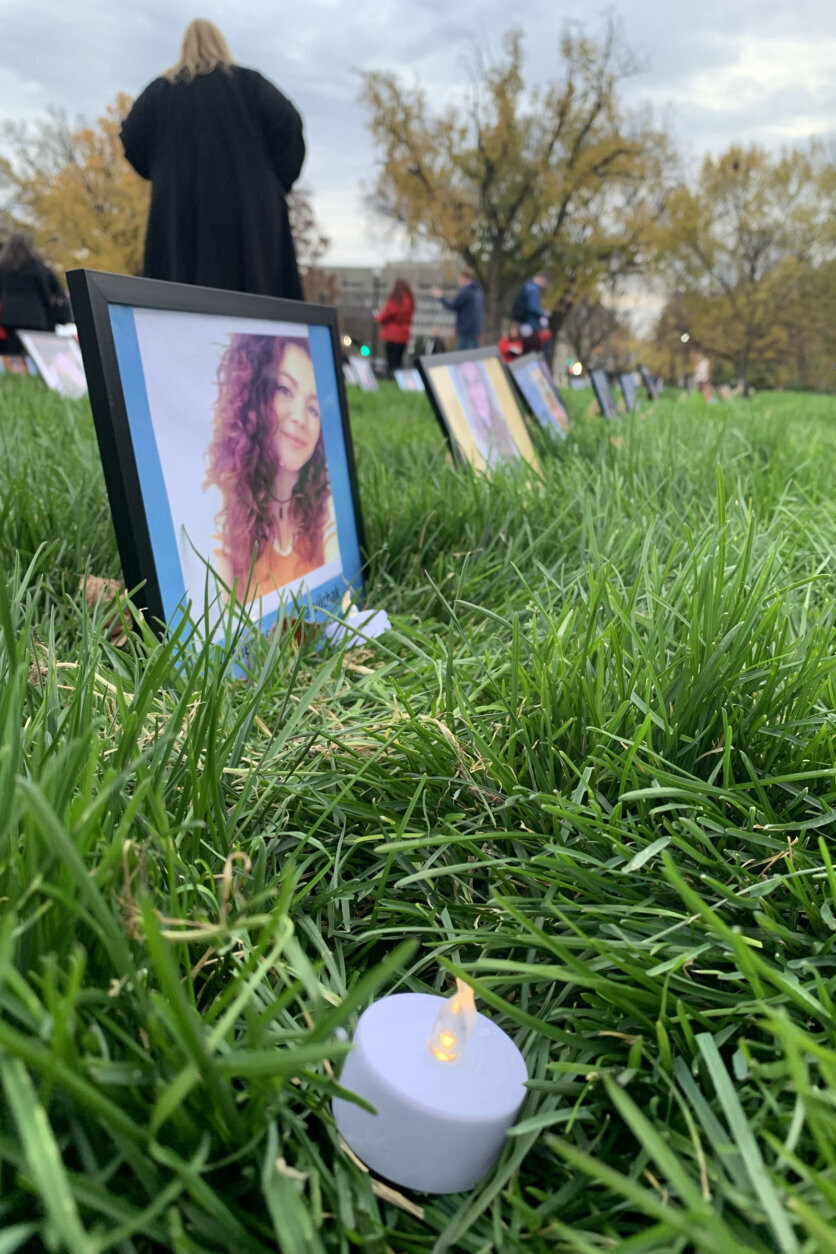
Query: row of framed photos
[(535, 384), (223, 429), (359, 372), (482, 415), (604, 395)]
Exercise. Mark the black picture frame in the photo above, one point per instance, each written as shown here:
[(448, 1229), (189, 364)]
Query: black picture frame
[(537, 388), (603, 393), (650, 383), (443, 381), (629, 391), (106, 308)]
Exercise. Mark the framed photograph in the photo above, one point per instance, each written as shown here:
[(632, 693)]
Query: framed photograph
[(534, 382), (409, 381), (223, 431), (629, 391), (364, 375), (603, 393), (650, 383), (58, 361), (477, 409)]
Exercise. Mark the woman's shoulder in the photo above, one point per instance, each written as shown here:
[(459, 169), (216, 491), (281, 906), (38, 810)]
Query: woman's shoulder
[(254, 83), (245, 77), (32, 268), (156, 88), (153, 96)]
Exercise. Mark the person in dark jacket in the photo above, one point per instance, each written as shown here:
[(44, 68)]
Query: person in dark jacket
[(469, 307), (30, 293), (395, 322), (529, 314), (222, 147)]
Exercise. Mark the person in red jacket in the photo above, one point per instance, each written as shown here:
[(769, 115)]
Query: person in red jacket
[(395, 320)]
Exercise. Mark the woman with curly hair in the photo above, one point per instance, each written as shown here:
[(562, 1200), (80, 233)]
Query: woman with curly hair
[(267, 456)]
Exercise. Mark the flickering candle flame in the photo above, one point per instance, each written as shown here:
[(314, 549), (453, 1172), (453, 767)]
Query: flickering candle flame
[(454, 1024)]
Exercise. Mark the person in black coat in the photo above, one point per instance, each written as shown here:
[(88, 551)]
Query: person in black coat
[(222, 147), (31, 297)]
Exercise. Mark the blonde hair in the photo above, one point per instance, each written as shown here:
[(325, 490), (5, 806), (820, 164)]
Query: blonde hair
[(202, 51)]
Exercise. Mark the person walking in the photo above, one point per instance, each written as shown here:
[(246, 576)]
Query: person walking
[(222, 148), (469, 307), (395, 322), (528, 313), (31, 296)]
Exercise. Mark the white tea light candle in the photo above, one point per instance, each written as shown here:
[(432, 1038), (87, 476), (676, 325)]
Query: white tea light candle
[(446, 1083)]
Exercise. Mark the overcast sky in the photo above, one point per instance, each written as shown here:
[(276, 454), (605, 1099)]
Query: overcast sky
[(723, 71)]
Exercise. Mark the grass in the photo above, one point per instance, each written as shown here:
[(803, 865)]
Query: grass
[(592, 769)]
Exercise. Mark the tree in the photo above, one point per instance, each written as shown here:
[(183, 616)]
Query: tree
[(311, 246), (590, 326), (72, 186), (669, 351), (560, 178), (808, 316), (737, 243)]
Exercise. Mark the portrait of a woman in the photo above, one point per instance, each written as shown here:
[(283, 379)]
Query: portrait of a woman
[(267, 457), (487, 424)]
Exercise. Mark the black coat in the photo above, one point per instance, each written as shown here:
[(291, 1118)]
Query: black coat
[(29, 297), (221, 151)]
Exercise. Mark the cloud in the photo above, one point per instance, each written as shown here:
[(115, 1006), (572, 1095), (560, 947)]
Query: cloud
[(28, 94), (748, 71)]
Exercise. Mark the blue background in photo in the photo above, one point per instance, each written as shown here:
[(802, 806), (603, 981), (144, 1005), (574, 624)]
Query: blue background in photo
[(322, 354), (146, 455), (326, 596)]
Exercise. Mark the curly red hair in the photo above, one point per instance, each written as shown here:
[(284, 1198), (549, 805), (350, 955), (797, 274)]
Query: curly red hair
[(243, 458)]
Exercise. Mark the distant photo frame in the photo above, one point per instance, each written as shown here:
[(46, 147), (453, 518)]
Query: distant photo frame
[(409, 380), (223, 430), (603, 393), (364, 375), (629, 391), (58, 361), (651, 386), (535, 384), (477, 409)]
